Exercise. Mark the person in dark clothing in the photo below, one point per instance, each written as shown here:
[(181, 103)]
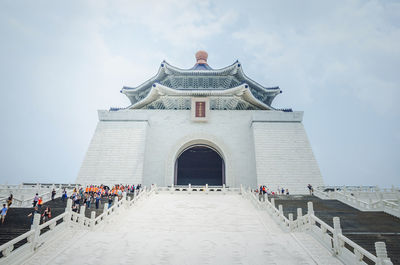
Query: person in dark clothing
[(64, 195), (97, 201), (9, 200), (35, 210), (46, 214), (110, 200), (53, 194), (310, 188)]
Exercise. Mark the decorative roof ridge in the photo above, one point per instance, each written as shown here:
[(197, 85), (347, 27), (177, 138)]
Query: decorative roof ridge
[(193, 71), (251, 82), (243, 90), (165, 67), (149, 82)]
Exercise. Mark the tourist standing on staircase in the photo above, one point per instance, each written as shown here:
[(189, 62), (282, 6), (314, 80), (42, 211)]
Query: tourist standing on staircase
[(40, 203), (9, 201), (3, 213), (46, 214), (310, 188), (35, 210), (53, 194), (64, 195), (97, 200), (35, 199), (110, 200)]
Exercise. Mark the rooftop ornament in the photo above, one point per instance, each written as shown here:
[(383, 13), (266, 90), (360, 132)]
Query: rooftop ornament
[(201, 57)]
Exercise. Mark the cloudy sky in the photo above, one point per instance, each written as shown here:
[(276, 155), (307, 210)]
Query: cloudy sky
[(338, 61)]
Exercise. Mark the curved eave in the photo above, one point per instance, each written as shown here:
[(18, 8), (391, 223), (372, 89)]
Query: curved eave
[(234, 69), (132, 90), (242, 91), (242, 76)]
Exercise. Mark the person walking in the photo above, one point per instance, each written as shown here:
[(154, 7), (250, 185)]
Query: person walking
[(110, 200), (310, 188), (35, 200), (53, 194), (46, 214), (264, 190), (35, 210), (3, 213), (64, 195), (40, 203), (9, 200), (97, 201)]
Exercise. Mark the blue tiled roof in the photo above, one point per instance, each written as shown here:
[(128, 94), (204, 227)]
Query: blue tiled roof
[(201, 66)]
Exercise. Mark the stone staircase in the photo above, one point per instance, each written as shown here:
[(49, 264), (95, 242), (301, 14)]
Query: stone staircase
[(364, 228), (17, 222)]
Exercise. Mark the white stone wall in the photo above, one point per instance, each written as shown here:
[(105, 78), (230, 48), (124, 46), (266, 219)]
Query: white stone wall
[(115, 154), (284, 156), (132, 146)]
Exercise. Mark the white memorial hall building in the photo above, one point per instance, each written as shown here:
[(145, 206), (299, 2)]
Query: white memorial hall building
[(201, 126)]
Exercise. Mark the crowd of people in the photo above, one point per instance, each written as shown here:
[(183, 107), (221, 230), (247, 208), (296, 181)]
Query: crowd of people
[(264, 190), (90, 196)]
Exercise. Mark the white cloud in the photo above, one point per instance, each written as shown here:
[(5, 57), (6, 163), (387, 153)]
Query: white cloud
[(352, 46)]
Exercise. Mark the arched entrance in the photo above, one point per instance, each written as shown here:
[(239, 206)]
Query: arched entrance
[(200, 165)]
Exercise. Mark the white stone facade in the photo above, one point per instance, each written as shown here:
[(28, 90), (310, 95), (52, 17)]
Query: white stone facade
[(257, 146)]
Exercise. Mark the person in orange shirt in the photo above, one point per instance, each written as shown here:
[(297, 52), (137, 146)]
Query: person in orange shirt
[(40, 203), (87, 189)]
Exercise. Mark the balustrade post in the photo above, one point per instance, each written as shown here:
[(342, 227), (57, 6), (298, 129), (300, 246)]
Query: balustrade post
[(105, 209), (92, 219), (299, 219), (68, 210), (223, 189), (172, 188), (206, 190), (81, 220), (290, 221), (273, 202), (280, 208), (337, 230), (381, 204), (190, 188), (128, 202), (310, 212), (116, 204), (35, 228), (381, 254), (155, 189)]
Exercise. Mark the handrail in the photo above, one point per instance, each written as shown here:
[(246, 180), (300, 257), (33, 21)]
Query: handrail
[(52, 221), (322, 223), (318, 228), (354, 200), (12, 242), (354, 245)]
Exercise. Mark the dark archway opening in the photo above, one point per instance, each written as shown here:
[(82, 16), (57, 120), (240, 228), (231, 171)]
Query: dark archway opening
[(200, 165)]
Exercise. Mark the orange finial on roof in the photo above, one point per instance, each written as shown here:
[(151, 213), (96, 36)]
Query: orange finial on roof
[(201, 57)]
